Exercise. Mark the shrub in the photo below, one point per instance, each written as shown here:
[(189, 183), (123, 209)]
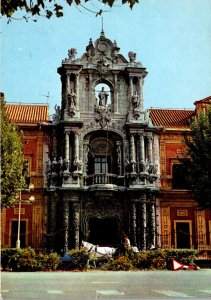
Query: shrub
[(6, 255), (26, 260), (184, 256), (121, 263), (79, 259)]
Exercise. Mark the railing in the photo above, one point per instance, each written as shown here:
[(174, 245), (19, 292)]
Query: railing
[(100, 178), (202, 243)]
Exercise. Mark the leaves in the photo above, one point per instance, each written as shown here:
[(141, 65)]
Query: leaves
[(47, 8), (197, 161), (11, 160)]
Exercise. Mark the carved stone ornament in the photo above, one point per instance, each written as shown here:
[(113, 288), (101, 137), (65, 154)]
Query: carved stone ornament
[(103, 116), (103, 65)]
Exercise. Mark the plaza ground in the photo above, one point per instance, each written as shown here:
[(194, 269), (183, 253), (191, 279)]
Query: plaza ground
[(106, 285)]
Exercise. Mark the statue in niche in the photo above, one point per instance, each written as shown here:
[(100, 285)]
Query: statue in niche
[(135, 100), (71, 99), (66, 164), (78, 164), (49, 166), (142, 166), (60, 164), (103, 97), (54, 165)]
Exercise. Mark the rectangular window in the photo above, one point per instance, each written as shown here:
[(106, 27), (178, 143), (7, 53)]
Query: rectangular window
[(100, 165), (14, 234)]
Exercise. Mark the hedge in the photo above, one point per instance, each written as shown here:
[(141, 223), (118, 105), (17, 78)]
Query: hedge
[(28, 260)]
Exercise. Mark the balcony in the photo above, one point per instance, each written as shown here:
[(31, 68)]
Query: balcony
[(103, 179)]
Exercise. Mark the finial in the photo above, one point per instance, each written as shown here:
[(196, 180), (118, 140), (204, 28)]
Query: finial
[(102, 31)]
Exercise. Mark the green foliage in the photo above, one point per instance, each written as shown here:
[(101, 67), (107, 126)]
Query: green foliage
[(26, 260), (79, 259), (48, 8), (184, 256), (197, 161), (121, 263), (151, 260), (11, 160)]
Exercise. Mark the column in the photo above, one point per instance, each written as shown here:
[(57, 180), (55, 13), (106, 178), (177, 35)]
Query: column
[(77, 91), (142, 148), (114, 101), (67, 146), (149, 148), (133, 223), (91, 96), (52, 223), (67, 89), (76, 145), (76, 221), (152, 223), (119, 157), (143, 222), (54, 146), (131, 86), (85, 156), (66, 225), (141, 82), (132, 152), (68, 83)]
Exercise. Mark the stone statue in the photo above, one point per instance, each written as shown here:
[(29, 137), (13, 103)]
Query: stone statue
[(57, 111), (54, 165), (49, 166), (132, 56), (71, 99), (103, 97), (60, 163), (135, 100), (72, 53)]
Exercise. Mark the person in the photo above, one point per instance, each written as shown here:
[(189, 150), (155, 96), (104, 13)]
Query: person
[(103, 97), (126, 244)]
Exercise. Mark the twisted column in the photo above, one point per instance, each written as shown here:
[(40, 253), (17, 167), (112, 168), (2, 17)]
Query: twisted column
[(76, 222), (143, 223), (66, 225), (133, 223), (150, 158)]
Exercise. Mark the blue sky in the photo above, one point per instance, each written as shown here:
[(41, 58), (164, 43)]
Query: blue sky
[(172, 39)]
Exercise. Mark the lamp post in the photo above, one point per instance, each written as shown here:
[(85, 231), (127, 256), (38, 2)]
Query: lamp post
[(30, 200)]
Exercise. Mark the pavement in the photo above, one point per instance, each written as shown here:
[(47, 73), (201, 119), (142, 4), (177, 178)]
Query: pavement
[(106, 285)]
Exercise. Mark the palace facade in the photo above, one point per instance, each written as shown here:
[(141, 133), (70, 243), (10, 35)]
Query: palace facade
[(104, 166)]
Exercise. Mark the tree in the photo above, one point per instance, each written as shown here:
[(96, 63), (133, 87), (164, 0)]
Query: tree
[(48, 8), (197, 161), (12, 160)]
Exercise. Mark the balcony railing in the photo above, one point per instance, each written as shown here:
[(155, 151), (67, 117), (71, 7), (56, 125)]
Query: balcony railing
[(100, 178)]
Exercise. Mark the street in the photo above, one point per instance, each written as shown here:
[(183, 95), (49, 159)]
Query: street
[(106, 285)]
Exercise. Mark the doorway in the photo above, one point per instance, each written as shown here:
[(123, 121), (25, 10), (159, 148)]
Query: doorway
[(103, 232), (183, 235), (14, 234)]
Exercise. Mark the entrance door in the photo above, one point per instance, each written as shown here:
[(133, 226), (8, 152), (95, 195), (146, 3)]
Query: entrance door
[(103, 232), (14, 234), (183, 235)]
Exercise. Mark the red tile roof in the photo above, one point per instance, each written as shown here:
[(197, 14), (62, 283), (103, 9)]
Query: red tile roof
[(171, 118), (27, 114)]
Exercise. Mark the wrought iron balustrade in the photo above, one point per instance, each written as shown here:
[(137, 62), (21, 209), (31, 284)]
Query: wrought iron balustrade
[(101, 178)]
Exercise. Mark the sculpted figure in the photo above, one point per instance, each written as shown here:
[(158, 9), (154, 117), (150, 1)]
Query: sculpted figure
[(71, 99), (103, 97), (135, 100)]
